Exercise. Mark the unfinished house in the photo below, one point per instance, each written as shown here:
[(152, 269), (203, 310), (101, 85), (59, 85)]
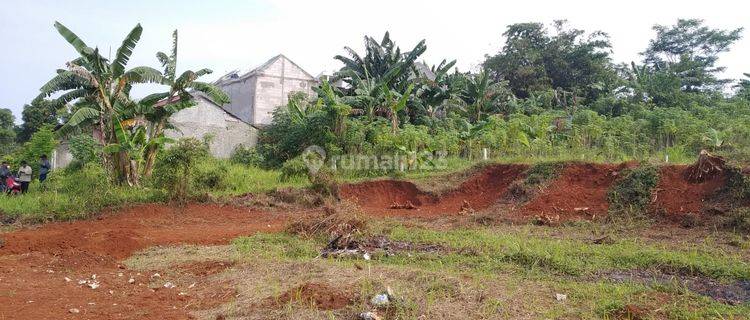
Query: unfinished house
[(255, 94)]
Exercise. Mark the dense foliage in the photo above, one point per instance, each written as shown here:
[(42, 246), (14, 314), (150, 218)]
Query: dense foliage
[(545, 94)]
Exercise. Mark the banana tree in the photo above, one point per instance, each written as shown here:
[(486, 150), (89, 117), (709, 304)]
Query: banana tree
[(395, 102), (180, 96), (134, 144), (98, 87), (480, 95)]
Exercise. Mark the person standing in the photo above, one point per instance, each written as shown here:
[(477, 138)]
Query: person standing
[(24, 176), (44, 168), (4, 174)]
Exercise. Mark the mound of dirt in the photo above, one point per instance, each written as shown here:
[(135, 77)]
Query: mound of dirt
[(580, 192), (675, 196), (402, 198), (321, 295)]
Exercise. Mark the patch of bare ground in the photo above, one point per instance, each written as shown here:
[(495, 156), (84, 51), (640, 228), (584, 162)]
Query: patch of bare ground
[(50, 269)]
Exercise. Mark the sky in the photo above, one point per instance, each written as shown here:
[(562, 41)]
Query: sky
[(225, 35)]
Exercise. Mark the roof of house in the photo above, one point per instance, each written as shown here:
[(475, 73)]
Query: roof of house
[(238, 75)]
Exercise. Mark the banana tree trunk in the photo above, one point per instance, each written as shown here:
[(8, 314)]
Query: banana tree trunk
[(151, 151)]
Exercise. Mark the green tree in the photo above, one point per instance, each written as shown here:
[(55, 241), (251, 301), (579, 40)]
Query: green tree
[(100, 88), (7, 131), (690, 50), (158, 107), (570, 60), (35, 115)]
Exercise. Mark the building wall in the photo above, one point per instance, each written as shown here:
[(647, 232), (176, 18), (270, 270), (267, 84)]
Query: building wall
[(273, 86), (241, 98), (207, 120)]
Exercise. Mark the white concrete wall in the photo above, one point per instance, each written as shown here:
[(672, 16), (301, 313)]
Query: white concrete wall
[(273, 86), (206, 119)]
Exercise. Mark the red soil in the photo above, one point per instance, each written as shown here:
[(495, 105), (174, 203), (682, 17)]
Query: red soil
[(35, 262), (675, 196), (321, 295), (580, 192), (480, 191)]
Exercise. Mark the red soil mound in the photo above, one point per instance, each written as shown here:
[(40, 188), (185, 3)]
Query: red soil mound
[(34, 263), (675, 196), (479, 191), (579, 192), (321, 295)]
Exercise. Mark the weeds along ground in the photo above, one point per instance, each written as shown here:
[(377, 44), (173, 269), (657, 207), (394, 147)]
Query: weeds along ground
[(473, 272)]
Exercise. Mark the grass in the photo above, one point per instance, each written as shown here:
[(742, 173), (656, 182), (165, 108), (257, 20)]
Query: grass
[(40, 205), (492, 273)]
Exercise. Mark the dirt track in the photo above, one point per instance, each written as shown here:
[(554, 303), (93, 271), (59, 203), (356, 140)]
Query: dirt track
[(35, 262)]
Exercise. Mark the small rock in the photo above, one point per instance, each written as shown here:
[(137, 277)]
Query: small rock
[(380, 300), (120, 274), (191, 286), (366, 256), (94, 285), (50, 271), (93, 276), (82, 282), (68, 279), (369, 316), (74, 310), (156, 275), (561, 297), (169, 285), (131, 280)]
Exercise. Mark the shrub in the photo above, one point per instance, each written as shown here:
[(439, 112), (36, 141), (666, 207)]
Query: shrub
[(84, 148), (173, 170), (246, 156), (208, 174), (543, 172), (630, 196), (738, 220)]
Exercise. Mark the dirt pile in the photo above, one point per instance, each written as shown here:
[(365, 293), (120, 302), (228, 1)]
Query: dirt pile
[(580, 192), (321, 295), (675, 196), (402, 198)]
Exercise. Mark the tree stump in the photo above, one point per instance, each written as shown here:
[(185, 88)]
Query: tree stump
[(707, 167)]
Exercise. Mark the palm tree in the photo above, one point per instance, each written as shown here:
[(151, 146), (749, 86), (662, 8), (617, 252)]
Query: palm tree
[(160, 106), (99, 87)]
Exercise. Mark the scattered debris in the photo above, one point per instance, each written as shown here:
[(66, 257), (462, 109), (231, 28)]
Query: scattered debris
[(369, 316), (561, 297), (380, 300), (169, 285), (707, 167), (407, 205), (466, 209), (581, 209)]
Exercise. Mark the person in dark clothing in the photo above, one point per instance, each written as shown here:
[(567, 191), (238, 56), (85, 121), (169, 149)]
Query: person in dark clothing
[(4, 174), (44, 168)]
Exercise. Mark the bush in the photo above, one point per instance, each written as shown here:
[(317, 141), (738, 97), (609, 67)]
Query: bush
[(543, 172), (630, 196), (738, 220), (209, 174), (174, 166), (246, 156), (84, 148)]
